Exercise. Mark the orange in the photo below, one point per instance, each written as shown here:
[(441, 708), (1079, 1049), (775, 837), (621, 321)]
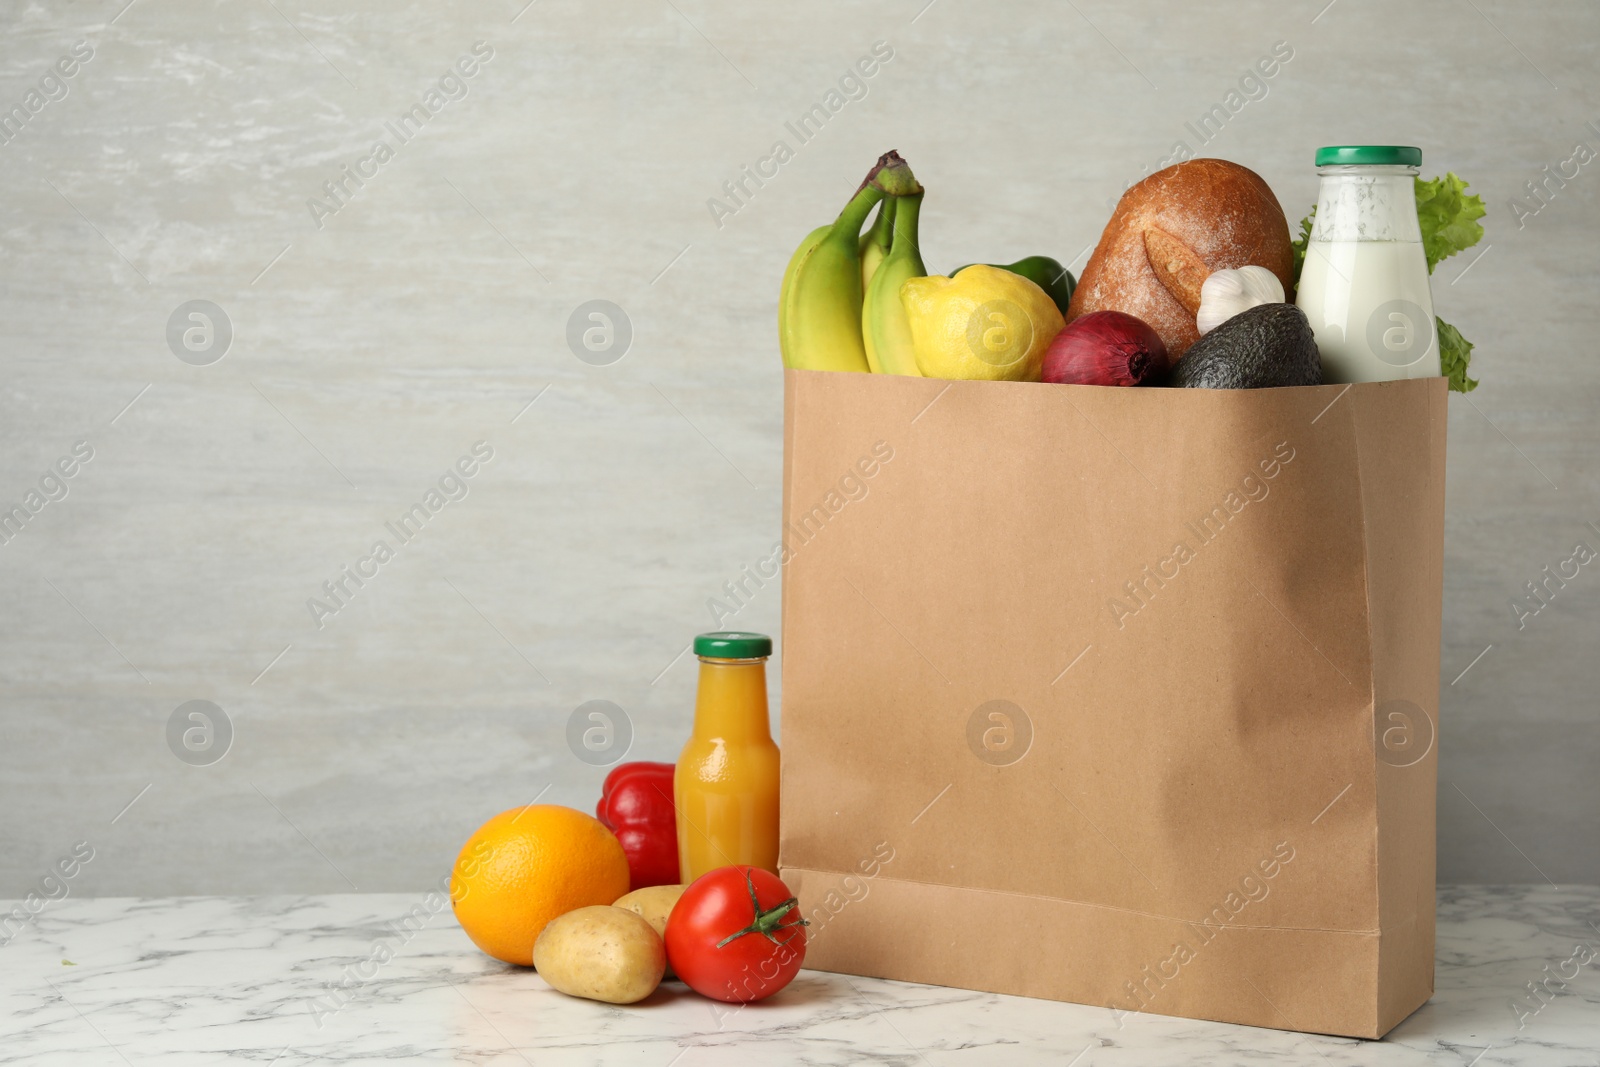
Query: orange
[(527, 866)]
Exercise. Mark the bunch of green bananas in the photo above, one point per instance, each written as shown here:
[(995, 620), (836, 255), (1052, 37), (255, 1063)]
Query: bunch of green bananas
[(840, 306), (820, 305)]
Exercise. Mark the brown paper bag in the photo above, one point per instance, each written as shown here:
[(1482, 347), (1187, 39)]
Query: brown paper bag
[(1119, 696)]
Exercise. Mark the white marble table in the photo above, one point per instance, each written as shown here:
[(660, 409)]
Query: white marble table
[(202, 980)]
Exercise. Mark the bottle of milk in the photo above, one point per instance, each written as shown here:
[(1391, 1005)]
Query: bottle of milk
[(1364, 285)]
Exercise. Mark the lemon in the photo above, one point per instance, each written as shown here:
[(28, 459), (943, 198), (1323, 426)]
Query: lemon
[(985, 323)]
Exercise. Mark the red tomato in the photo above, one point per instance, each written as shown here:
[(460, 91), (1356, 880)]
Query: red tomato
[(736, 935)]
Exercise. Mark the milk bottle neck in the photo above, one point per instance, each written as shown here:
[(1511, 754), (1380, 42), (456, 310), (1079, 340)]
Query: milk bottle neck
[(1366, 202)]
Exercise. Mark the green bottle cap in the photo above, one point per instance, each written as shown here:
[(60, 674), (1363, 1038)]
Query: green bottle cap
[(733, 645), (1369, 155)]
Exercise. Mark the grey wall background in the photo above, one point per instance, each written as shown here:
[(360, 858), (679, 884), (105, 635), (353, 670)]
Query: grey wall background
[(425, 315)]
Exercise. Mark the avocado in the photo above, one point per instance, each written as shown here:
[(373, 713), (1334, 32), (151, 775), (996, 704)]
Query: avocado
[(1268, 345)]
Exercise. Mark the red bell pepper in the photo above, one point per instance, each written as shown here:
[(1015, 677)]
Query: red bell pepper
[(636, 805)]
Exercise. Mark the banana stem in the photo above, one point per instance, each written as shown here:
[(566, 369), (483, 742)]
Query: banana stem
[(856, 211), (882, 231), (905, 246), (892, 175)]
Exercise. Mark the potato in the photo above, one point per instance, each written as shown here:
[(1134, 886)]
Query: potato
[(653, 904), (601, 953)]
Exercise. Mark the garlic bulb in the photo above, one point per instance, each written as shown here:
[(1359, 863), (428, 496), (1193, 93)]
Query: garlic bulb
[(1225, 293)]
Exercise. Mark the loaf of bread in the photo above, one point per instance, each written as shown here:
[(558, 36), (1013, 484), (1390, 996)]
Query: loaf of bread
[(1169, 232)]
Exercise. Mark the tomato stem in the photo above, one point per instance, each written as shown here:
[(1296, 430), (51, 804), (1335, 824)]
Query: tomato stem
[(769, 920)]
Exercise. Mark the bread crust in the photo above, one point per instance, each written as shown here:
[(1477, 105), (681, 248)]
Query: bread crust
[(1169, 232)]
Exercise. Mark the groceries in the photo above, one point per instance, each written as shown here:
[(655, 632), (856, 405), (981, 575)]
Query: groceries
[(819, 305), (885, 327), (525, 867), (591, 902), (1226, 293), (985, 323), (1448, 218), (1371, 309), (1048, 274), (1187, 250), (736, 935), (1447, 223), (1169, 232), (636, 805), (1455, 355), (1105, 348), (992, 323), (874, 245), (653, 904), (1267, 346), (601, 953), (726, 786), (1364, 285)]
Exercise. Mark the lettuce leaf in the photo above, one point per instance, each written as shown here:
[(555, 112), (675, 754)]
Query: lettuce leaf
[(1448, 217), (1298, 245), (1449, 221), (1455, 352)]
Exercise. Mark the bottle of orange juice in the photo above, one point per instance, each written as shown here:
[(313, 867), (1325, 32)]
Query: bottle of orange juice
[(726, 784)]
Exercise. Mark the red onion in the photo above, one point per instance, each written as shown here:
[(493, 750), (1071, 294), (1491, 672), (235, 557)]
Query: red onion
[(1106, 348)]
